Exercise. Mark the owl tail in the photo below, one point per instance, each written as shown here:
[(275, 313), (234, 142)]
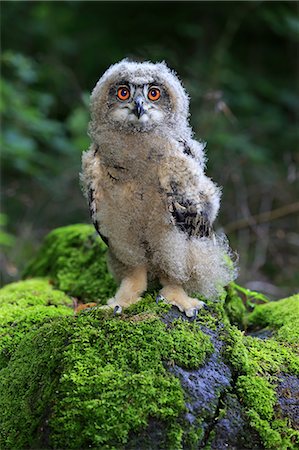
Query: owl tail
[(201, 265)]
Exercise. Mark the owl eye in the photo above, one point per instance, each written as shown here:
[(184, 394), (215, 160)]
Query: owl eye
[(154, 94), (123, 93)]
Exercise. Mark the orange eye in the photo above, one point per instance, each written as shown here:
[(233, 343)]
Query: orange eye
[(123, 93), (154, 94)]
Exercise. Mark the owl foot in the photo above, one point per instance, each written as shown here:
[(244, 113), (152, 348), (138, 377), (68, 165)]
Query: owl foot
[(119, 304), (129, 291), (176, 296)]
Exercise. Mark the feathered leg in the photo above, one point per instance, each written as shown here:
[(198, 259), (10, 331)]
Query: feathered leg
[(175, 295), (130, 289)]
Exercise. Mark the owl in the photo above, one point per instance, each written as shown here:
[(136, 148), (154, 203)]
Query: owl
[(149, 198)]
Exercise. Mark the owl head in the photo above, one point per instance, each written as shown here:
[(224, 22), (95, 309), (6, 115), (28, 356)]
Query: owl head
[(133, 96)]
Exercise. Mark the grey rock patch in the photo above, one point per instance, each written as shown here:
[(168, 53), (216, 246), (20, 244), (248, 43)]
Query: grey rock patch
[(288, 398)]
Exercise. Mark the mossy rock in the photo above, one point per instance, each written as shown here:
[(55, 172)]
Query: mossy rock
[(148, 379), (73, 257), (24, 306)]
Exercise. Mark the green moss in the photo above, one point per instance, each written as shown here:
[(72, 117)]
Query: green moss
[(258, 362), (278, 435), (193, 438), (32, 293), (236, 353), (270, 356), (148, 304), (256, 393), (110, 379), (74, 258), (28, 385), (191, 346), (282, 316), (24, 306), (271, 438), (116, 376)]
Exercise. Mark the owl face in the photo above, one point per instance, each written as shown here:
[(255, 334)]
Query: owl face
[(138, 106), (133, 96)]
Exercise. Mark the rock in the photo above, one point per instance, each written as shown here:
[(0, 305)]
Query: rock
[(73, 258), (148, 379)]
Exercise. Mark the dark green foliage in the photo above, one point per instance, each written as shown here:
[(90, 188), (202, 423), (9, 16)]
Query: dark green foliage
[(234, 307), (73, 258)]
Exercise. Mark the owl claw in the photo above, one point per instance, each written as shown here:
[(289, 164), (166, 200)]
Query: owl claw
[(117, 310), (159, 298), (193, 312)]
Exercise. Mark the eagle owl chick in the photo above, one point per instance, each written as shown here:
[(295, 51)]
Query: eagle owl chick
[(149, 198)]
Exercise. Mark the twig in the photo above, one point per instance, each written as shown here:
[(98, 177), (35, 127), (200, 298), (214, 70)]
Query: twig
[(266, 216)]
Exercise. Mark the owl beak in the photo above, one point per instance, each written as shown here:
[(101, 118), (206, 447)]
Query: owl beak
[(139, 110)]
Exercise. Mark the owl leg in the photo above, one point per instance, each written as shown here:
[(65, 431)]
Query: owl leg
[(130, 289), (175, 295)]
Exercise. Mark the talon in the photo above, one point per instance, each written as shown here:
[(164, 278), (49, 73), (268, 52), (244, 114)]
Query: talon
[(195, 313), (159, 298), (205, 306), (117, 310)]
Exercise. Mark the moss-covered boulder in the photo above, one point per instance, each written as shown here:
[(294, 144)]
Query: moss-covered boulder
[(73, 258), (148, 379), (24, 306)]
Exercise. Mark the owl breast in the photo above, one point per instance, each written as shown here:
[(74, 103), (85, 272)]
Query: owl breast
[(129, 210)]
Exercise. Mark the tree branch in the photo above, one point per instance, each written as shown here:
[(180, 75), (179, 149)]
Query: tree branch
[(266, 216)]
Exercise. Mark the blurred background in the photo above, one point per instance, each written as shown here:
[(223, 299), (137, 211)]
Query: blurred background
[(238, 61)]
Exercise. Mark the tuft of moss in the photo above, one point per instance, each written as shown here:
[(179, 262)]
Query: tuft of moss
[(25, 305), (73, 257), (257, 393), (28, 385), (38, 291), (271, 438), (96, 379), (282, 316)]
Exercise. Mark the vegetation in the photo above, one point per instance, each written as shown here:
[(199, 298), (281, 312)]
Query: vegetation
[(238, 62), (282, 316), (80, 371), (74, 259), (94, 379), (24, 306)]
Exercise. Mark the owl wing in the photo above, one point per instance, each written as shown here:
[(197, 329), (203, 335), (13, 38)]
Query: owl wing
[(193, 199), (194, 150), (90, 176), (190, 218), (93, 214)]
